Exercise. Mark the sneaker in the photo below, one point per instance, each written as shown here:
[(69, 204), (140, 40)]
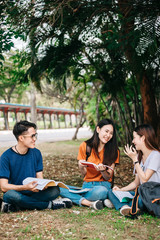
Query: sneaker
[(97, 205), (125, 210), (7, 207), (61, 203), (67, 201), (107, 203)]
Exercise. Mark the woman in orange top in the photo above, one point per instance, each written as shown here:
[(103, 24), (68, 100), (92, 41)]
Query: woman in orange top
[(97, 181)]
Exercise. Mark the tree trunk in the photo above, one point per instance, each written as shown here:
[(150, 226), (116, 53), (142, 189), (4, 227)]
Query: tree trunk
[(33, 104), (127, 108), (158, 131), (125, 121), (138, 110), (102, 100), (81, 122), (77, 129), (122, 125), (148, 102), (150, 115), (97, 107), (10, 93)]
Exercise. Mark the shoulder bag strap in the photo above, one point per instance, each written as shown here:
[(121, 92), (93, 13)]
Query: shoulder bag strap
[(134, 207)]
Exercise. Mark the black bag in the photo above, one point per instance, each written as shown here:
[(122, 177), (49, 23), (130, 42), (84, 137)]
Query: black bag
[(150, 195)]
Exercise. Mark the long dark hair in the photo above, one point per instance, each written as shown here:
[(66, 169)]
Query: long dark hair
[(110, 148), (151, 141)]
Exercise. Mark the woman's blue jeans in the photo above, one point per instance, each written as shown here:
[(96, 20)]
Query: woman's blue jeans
[(31, 200), (98, 191), (117, 204)]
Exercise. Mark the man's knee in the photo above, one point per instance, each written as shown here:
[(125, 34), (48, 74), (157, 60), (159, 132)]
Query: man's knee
[(54, 192), (10, 196)]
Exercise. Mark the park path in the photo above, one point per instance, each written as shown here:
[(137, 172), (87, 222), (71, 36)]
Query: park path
[(49, 135)]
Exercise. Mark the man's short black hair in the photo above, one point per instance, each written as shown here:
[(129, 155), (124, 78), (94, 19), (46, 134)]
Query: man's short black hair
[(21, 127)]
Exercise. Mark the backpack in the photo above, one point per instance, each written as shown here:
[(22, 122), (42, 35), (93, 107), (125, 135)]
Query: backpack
[(150, 195)]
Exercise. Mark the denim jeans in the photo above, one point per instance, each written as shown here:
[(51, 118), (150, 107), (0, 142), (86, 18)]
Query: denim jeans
[(31, 200), (98, 191), (117, 204)]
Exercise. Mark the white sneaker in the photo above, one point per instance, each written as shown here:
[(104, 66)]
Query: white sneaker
[(107, 203), (125, 210), (67, 201), (97, 205), (61, 203), (6, 207)]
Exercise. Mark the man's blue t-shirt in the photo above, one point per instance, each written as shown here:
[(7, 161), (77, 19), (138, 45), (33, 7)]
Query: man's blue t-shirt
[(16, 167)]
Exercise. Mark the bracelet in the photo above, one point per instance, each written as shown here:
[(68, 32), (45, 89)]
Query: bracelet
[(136, 162)]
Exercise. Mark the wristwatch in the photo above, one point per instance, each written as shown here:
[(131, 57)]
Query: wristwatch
[(136, 162)]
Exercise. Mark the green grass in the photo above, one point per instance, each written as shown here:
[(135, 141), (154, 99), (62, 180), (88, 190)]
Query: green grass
[(77, 223), (73, 143)]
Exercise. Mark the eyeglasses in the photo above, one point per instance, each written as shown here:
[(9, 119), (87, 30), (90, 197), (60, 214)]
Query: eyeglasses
[(31, 136)]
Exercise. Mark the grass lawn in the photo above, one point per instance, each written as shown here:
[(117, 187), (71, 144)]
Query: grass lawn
[(78, 222)]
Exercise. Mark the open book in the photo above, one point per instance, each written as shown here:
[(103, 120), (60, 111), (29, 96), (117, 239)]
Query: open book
[(123, 196), (92, 165), (43, 183)]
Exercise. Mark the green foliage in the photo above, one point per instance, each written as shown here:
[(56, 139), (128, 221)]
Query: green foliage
[(70, 30), (108, 46), (11, 77), (6, 33), (92, 114), (5, 42)]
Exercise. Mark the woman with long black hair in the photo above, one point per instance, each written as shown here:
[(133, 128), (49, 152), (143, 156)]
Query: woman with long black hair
[(146, 159), (104, 154)]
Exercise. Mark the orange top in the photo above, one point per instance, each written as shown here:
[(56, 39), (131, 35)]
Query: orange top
[(92, 174)]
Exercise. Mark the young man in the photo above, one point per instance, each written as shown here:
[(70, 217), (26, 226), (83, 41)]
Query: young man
[(22, 161)]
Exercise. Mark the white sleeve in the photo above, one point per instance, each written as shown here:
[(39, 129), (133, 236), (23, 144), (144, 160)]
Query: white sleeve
[(154, 161)]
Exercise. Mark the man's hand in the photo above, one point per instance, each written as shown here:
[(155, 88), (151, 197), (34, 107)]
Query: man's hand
[(32, 186)]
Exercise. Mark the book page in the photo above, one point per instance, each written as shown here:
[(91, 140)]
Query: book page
[(44, 182), (88, 164), (92, 165), (62, 185), (123, 196)]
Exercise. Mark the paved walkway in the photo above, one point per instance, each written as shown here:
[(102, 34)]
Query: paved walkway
[(50, 135)]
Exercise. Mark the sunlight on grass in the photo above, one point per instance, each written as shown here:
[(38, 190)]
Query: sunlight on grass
[(71, 142)]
